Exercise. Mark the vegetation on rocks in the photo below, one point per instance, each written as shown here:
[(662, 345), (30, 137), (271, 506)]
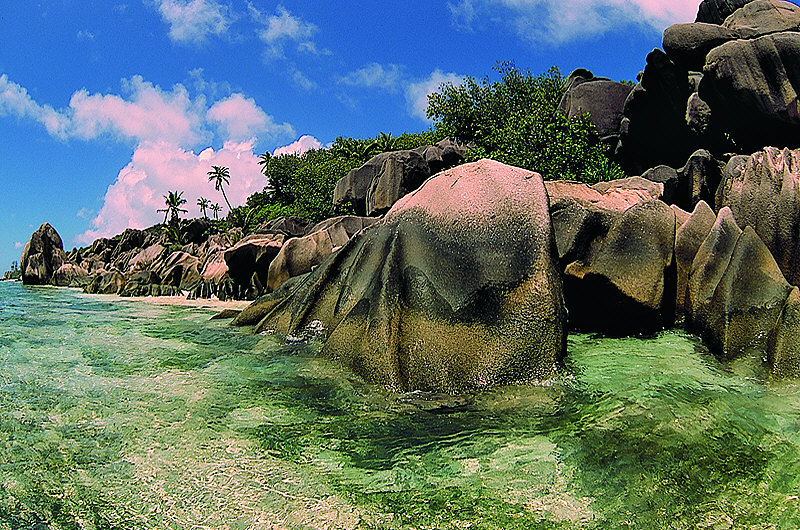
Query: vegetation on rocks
[(516, 121)]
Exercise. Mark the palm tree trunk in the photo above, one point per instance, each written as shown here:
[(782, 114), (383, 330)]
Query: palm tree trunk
[(225, 197)]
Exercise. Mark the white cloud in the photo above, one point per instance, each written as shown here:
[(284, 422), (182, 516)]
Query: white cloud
[(559, 21), (303, 144), (374, 75), (301, 80), (85, 35), (417, 93), (18, 244), (192, 21), (241, 119), (15, 101), (85, 213), (158, 167), (283, 28)]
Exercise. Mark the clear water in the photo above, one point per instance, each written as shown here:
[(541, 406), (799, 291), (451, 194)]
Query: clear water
[(132, 415)]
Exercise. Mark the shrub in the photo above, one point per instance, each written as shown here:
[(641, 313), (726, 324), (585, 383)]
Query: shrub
[(516, 121)]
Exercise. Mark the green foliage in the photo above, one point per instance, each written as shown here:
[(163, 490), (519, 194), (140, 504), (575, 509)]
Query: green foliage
[(516, 121), (314, 181), (279, 171)]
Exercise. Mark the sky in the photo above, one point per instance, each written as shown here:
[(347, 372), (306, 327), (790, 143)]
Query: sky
[(106, 105)]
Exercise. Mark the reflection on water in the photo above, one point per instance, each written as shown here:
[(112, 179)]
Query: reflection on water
[(131, 415)]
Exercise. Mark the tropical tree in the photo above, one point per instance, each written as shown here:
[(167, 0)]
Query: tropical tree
[(215, 208), (353, 148), (385, 142), (173, 202), (516, 120), (263, 161), (203, 203), (220, 175)]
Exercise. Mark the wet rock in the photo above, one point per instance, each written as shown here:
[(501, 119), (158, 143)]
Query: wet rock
[(226, 314), (457, 288), (763, 191), (688, 239), (629, 285), (783, 347), (709, 265), (71, 275), (42, 255), (747, 301)]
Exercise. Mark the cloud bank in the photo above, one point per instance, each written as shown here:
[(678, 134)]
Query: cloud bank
[(165, 128), (560, 21)]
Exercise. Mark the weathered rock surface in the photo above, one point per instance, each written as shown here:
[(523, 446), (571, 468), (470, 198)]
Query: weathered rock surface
[(762, 17), (628, 286), (373, 187), (716, 11), (752, 86), (300, 255), (747, 300), (457, 288), (70, 275), (400, 173), (763, 191), (602, 98), (248, 261), (42, 255), (688, 239)]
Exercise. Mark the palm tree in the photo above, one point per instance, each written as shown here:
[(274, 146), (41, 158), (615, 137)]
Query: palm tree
[(173, 202), (220, 175), (353, 148), (263, 161), (203, 203), (215, 208)]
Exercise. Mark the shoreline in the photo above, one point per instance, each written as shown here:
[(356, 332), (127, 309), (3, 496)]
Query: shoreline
[(182, 301)]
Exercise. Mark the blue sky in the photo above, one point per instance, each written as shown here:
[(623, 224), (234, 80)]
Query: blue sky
[(106, 105)]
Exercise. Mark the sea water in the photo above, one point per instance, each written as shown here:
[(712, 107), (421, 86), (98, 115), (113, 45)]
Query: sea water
[(136, 415)]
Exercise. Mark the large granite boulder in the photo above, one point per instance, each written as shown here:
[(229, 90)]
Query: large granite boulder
[(654, 129), (751, 88), (688, 239), (602, 98), (627, 285), (180, 269), (248, 260), (71, 275), (353, 187), (300, 255), (762, 17), (716, 11), (289, 226), (689, 44), (457, 288), (737, 292), (42, 255), (401, 172), (763, 191), (106, 283)]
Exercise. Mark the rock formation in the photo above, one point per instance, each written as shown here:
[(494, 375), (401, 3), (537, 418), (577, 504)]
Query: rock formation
[(457, 288), (42, 256)]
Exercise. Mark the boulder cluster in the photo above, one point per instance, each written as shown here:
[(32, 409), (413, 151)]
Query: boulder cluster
[(452, 279)]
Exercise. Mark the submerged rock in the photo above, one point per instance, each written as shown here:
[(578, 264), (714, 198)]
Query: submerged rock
[(457, 288)]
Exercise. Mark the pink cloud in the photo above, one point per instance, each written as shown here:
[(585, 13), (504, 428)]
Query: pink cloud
[(241, 119), (150, 114), (303, 144), (159, 167)]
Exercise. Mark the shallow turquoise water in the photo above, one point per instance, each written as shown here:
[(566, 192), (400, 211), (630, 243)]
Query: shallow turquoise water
[(133, 415)]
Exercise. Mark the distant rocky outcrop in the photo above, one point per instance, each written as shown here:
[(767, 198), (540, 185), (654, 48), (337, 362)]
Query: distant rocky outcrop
[(602, 98), (42, 256)]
